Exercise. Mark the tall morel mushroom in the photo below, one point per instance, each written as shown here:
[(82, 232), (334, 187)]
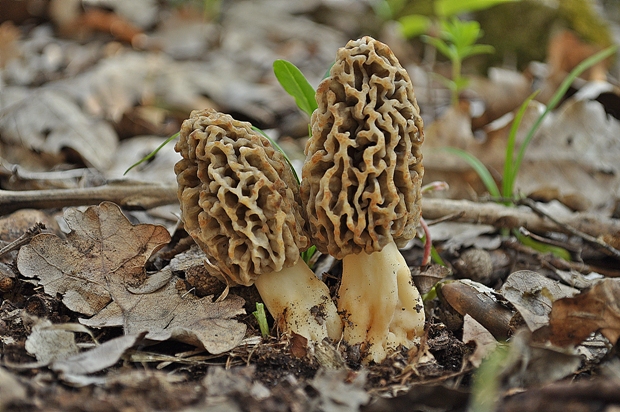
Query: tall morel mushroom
[(361, 190), (240, 203)]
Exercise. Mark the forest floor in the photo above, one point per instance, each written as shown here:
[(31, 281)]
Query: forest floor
[(105, 301)]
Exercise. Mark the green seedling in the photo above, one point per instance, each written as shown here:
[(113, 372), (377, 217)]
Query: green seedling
[(261, 318), (457, 41), (456, 38), (542, 247), (295, 83), (413, 25), (555, 100), (512, 164), (448, 8)]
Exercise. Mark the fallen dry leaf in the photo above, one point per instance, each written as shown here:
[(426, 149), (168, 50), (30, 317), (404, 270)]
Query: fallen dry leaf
[(529, 364), (168, 313), (99, 270), (97, 359), (338, 392), (532, 294), (598, 309), (48, 121), (49, 344), (102, 249), (473, 331)]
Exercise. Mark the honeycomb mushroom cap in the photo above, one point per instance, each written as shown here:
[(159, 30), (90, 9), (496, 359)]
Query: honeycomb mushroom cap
[(239, 198), (363, 171)]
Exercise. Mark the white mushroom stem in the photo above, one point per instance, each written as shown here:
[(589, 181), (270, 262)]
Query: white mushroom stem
[(381, 306), (300, 301)]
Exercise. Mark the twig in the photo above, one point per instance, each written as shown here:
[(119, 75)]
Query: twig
[(552, 242), (136, 196), (501, 216), (598, 242), (23, 239), (558, 263), (447, 218)]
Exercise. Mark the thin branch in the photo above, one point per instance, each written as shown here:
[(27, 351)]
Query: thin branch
[(132, 196), (598, 242), (557, 263), (23, 239)]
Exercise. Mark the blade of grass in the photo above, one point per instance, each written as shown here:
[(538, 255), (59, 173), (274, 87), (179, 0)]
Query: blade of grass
[(153, 153), (295, 84), (555, 100), (543, 247), (510, 147), (479, 167)]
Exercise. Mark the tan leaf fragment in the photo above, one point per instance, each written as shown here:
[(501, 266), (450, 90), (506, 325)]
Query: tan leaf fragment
[(10, 388), (102, 250), (473, 331), (97, 359), (338, 392), (598, 309), (49, 344), (532, 294)]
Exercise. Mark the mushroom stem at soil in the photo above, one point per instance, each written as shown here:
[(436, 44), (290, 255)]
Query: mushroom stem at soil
[(300, 301), (382, 307), (361, 190), (240, 203)]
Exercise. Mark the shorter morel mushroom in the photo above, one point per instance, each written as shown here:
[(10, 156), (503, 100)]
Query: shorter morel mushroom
[(361, 190), (240, 202)]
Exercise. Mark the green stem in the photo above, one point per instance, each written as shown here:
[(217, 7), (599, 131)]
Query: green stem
[(456, 79)]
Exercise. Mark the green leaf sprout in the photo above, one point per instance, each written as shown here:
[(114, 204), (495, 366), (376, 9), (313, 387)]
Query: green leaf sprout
[(295, 84), (261, 318)]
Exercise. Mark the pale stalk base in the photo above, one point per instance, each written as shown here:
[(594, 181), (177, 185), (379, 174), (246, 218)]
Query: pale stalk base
[(380, 305), (297, 299)]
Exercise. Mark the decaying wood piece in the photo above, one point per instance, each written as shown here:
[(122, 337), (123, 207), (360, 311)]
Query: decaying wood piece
[(509, 217)]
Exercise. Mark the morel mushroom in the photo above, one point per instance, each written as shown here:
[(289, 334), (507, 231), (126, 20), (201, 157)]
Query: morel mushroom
[(361, 190), (240, 203)]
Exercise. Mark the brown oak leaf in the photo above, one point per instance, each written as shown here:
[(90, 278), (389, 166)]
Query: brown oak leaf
[(102, 245), (168, 313), (99, 270)]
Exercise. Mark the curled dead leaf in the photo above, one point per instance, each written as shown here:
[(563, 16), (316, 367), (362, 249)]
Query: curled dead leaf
[(573, 319)]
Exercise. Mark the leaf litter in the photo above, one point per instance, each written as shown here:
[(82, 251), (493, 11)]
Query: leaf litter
[(151, 333), (99, 271)]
